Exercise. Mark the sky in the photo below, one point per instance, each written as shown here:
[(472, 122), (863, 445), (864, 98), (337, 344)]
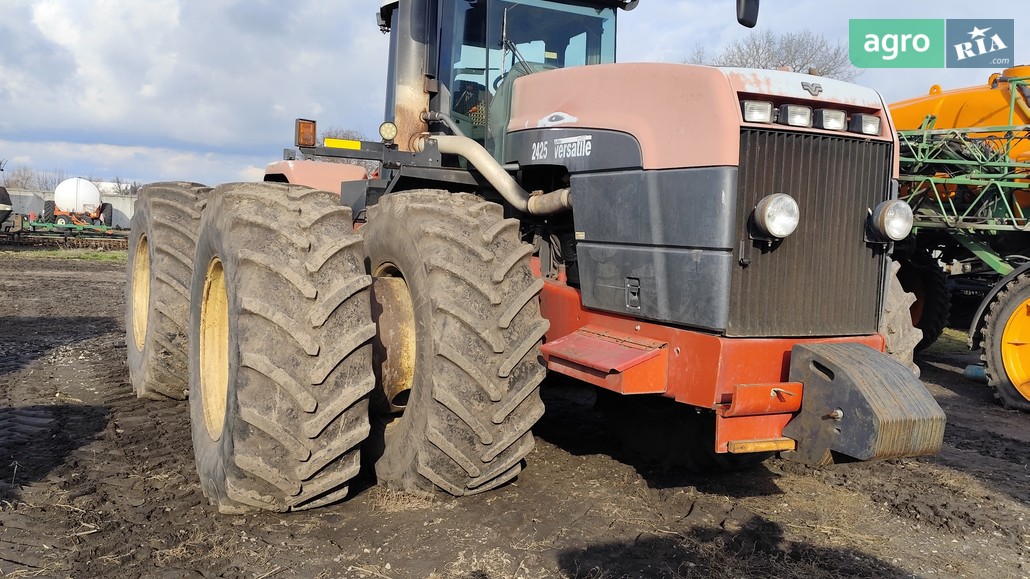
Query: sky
[(207, 90)]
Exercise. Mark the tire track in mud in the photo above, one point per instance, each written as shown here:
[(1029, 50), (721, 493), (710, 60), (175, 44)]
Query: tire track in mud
[(105, 463), (106, 487)]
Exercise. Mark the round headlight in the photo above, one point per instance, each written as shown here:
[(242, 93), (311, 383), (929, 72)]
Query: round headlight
[(388, 131), (893, 219), (777, 215)]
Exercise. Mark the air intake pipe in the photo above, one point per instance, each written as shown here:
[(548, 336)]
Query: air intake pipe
[(494, 173)]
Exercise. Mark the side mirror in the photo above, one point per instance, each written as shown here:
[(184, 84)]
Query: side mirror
[(747, 12)]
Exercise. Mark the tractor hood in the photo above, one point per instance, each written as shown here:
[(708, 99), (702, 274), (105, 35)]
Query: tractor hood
[(681, 115)]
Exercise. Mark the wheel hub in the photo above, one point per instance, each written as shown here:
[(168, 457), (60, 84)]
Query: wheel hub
[(214, 349), (140, 292), (393, 349), (1015, 354)]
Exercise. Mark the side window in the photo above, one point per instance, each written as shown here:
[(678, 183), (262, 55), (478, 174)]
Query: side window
[(469, 94), (576, 53)]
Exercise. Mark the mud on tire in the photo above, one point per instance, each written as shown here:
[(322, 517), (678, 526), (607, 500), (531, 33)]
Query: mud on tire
[(475, 390), (157, 292), (896, 322), (280, 354)]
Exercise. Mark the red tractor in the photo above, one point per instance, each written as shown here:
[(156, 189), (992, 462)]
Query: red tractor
[(677, 236)]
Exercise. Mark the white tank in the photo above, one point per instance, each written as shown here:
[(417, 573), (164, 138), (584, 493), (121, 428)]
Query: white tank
[(77, 196)]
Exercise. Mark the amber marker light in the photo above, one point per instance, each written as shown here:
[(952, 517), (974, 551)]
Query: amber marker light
[(304, 134)]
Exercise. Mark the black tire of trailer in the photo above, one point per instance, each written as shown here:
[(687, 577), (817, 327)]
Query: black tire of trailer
[(475, 388), (932, 287), (49, 208), (63, 220), (106, 214), (896, 326), (661, 432), (280, 349), (5, 204), (159, 271), (1006, 307)]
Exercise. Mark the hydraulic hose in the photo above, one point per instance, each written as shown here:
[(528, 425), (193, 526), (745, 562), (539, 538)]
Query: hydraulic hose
[(494, 173)]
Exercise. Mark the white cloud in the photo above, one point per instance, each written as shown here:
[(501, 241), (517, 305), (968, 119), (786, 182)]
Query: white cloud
[(183, 89), (136, 162), (221, 75)]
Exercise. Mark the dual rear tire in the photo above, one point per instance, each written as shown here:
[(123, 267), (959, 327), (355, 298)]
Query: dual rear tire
[(280, 358), (476, 329), (281, 350), (157, 295)]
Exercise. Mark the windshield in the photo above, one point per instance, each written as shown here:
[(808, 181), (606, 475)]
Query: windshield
[(486, 45)]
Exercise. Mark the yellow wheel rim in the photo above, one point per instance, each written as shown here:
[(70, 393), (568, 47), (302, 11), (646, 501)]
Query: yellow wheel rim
[(1015, 348), (214, 349), (140, 292)]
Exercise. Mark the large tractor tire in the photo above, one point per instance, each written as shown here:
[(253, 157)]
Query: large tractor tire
[(896, 322), (932, 288), (157, 295), (460, 417), (280, 348), (1006, 344), (49, 208), (661, 432)]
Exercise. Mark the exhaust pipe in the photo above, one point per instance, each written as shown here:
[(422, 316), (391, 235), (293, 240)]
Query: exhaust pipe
[(494, 173)]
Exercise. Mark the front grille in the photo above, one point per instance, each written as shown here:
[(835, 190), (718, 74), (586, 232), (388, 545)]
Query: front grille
[(823, 280)]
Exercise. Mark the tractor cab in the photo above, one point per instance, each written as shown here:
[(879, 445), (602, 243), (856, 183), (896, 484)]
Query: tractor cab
[(469, 62), (486, 46)]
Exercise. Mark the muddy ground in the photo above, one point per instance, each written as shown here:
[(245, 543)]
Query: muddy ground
[(95, 483)]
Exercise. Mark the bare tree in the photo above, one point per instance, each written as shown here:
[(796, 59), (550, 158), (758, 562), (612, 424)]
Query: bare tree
[(20, 177), (3, 163), (49, 180), (126, 188), (350, 135), (802, 51)]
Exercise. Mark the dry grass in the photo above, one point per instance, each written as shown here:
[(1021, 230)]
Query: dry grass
[(389, 501), (197, 545), (50, 570), (492, 563), (952, 341), (104, 256)]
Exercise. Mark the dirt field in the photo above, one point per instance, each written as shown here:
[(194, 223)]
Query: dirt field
[(95, 483)]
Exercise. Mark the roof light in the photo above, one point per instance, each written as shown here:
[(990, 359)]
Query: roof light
[(795, 116), (831, 120), (757, 111), (865, 124)]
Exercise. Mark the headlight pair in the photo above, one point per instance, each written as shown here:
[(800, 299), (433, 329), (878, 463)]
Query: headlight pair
[(778, 215)]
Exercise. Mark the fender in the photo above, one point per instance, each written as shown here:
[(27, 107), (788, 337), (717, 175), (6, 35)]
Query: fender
[(976, 327), (315, 174)]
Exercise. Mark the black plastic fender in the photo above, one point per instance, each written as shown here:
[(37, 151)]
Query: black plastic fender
[(977, 325)]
